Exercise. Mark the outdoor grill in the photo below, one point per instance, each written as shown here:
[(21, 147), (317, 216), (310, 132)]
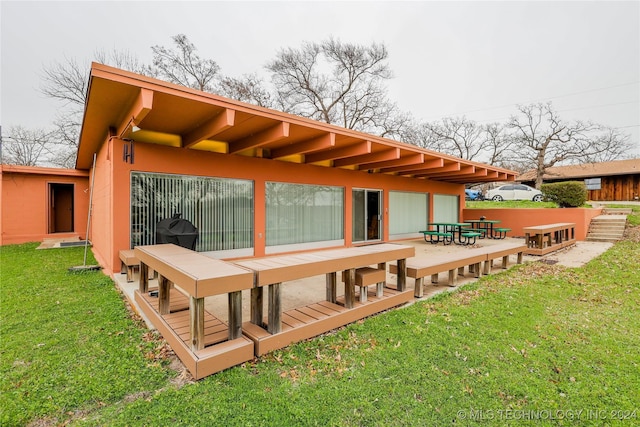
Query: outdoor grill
[(178, 231)]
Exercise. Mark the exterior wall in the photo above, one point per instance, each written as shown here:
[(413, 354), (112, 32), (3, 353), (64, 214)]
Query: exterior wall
[(617, 188), (613, 188), (111, 224), (517, 219), (24, 215)]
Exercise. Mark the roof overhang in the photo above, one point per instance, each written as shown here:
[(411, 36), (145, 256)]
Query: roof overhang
[(120, 102)]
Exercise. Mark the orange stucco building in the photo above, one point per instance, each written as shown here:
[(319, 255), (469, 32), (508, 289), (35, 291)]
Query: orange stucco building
[(38, 203), (254, 181)]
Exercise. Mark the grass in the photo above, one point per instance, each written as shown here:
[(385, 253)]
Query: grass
[(518, 204), (68, 342), (535, 338)]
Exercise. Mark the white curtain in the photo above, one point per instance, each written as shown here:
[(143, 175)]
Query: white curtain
[(408, 212)]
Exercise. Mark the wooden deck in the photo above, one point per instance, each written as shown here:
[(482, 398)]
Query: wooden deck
[(218, 354), (279, 329), (314, 319)]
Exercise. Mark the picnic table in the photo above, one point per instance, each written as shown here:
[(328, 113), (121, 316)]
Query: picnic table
[(450, 232), (484, 226)]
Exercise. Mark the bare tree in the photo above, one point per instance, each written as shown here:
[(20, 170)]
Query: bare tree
[(616, 145), (183, 66), (338, 83), (26, 147), (543, 139), (497, 144), (248, 88), (457, 136)]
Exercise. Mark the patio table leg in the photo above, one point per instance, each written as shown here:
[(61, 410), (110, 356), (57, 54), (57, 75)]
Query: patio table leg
[(275, 309)]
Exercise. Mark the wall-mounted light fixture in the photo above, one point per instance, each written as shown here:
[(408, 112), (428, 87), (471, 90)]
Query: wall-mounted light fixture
[(127, 151)]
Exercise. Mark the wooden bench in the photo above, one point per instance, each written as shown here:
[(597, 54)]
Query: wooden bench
[(366, 276), (542, 239), (204, 343), (128, 263), (432, 266), (278, 329)]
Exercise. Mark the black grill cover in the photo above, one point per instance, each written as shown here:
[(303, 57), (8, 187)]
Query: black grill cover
[(177, 231)]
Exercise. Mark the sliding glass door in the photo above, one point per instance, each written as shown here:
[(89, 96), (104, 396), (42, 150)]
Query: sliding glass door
[(367, 215)]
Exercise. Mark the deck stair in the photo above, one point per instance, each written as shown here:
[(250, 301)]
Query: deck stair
[(607, 228)]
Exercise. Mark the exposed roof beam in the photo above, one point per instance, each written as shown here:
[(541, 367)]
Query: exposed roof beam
[(267, 136), (411, 160), (358, 149), (325, 141), (465, 171), (491, 175), (449, 167), (457, 170), (379, 156), (429, 164), (213, 127), (137, 112)]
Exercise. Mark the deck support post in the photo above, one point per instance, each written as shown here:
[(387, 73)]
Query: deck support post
[(196, 324), (274, 325), (257, 306), (164, 292), (235, 314), (143, 287), (402, 274), (332, 294), (380, 285), (418, 292), (349, 287)]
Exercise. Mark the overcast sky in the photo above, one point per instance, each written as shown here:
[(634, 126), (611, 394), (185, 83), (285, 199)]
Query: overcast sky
[(478, 59)]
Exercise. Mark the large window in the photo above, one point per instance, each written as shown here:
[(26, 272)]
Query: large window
[(221, 209), (445, 208), (301, 216), (408, 213)]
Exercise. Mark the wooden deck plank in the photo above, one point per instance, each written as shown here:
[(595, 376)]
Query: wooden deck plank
[(312, 313), (302, 317)]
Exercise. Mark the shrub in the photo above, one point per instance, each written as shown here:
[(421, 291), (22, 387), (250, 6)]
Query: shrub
[(570, 194)]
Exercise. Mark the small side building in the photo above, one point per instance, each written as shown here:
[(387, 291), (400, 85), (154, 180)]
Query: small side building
[(38, 203), (617, 180)]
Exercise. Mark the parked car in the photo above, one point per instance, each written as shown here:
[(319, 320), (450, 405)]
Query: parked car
[(514, 192), (470, 194)]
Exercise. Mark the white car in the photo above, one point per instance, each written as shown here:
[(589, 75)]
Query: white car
[(514, 192)]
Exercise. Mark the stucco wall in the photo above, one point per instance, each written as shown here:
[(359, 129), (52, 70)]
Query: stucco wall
[(517, 219), (25, 203), (112, 197)]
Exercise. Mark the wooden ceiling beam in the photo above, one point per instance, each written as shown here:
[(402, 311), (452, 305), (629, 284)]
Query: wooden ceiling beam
[(210, 129), (459, 171), (411, 160), (325, 141), (357, 149), (379, 156), (428, 164), (141, 106), (264, 137), (421, 173)]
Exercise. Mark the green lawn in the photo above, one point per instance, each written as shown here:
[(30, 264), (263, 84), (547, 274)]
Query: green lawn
[(537, 345)]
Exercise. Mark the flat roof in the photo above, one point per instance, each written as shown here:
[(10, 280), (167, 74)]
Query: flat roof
[(120, 102)]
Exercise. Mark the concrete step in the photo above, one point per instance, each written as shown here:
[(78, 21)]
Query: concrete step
[(617, 211), (602, 239)]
